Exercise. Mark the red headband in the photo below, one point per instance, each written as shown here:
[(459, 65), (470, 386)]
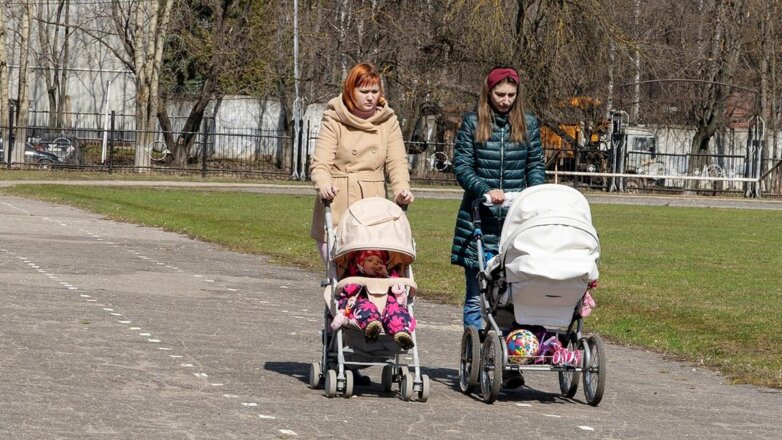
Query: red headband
[(499, 74)]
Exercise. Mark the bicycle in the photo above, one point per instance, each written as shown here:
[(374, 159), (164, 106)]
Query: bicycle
[(439, 162), (159, 152)]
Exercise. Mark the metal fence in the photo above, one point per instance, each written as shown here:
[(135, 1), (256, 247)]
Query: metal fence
[(99, 143)]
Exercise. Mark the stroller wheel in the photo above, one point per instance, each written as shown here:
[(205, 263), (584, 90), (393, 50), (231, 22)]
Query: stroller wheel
[(423, 394), (406, 390), (314, 375), (387, 378), (594, 364), (330, 386), (492, 366), (469, 365), (348, 391), (568, 378)]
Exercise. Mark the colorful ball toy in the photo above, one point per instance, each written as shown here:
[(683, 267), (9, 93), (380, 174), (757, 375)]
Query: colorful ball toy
[(522, 345)]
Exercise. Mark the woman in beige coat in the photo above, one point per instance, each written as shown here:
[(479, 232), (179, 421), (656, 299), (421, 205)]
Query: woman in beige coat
[(359, 143)]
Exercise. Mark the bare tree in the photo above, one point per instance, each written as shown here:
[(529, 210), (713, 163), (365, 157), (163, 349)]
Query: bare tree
[(718, 67), (136, 36), (53, 24), (23, 105), (4, 71), (207, 52)]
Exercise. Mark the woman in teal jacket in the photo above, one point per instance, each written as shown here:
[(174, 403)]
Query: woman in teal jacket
[(497, 150)]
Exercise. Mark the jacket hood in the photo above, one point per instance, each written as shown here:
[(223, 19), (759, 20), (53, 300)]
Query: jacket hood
[(336, 110)]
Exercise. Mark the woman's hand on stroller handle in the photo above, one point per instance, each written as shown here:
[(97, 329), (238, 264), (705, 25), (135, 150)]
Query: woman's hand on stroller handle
[(404, 198), (499, 197), (327, 192)]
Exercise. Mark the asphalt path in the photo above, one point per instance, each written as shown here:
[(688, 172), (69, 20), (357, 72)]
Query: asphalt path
[(112, 330)]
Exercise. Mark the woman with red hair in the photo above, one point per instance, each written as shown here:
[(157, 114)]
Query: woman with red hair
[(359, 143)]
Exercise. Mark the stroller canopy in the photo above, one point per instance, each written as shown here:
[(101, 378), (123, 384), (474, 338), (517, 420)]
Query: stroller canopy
[(374, 223), (548, 233)]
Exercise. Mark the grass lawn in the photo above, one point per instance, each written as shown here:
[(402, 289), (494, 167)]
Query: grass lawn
[(697, 284)]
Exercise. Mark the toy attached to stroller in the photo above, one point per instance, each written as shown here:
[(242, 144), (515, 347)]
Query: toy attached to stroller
[(373, 226), (534, 295)]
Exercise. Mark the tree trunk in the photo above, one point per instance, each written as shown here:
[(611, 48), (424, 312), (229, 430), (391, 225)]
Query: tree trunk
[(3, 89), (22, 92), (150, 20)]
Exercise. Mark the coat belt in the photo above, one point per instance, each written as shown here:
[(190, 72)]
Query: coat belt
[(355, 177)]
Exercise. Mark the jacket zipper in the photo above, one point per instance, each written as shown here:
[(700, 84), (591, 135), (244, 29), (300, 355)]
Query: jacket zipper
[(502, 156)]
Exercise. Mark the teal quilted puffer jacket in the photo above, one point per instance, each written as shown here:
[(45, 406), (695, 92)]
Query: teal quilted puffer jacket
[(498, 163)]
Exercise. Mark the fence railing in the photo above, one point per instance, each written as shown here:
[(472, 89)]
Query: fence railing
[(106, 145)]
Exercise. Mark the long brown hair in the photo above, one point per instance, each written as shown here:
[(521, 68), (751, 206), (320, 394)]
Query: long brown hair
[(361, 75), (518, 123)]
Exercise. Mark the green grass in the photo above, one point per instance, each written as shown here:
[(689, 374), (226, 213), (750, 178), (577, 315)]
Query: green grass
[(701, 285)]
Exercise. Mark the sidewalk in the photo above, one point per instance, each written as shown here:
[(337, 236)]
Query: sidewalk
[(111, 330)]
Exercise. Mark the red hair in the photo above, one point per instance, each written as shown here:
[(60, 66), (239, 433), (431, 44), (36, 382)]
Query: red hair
[(361, 75)]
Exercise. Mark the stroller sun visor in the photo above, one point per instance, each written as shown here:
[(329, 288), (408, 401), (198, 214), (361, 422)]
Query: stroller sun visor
[(548, 233), (374, 223)]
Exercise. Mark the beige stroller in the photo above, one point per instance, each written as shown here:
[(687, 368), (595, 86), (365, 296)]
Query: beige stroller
[(371, 223)]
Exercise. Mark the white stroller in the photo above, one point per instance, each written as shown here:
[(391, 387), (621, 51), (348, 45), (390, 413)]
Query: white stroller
[(547, 261), (371, 223)]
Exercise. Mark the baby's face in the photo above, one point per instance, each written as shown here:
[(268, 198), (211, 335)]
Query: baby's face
[(374, 266)]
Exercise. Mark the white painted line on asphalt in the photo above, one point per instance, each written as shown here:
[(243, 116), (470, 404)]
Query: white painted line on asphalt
[(552, 415), (200, 375), (186, 365), (231, 289), (135, 328), (287, 432), (124, 322), (91, 300), (264, 416), (145, 334), (198, 276), (115, 314), (249, 404), (154, 341), (526, 405), (175, 356), (210, 281), (216, 384), (72, 288), (108, 309), (230, 396), (586, 428), (84, 296), (164, 348)]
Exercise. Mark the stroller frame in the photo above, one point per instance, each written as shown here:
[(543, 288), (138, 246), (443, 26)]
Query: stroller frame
[(487, 349), (333, 372)]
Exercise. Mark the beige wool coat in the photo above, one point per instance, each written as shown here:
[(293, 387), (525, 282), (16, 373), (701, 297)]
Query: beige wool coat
[(356, 155)]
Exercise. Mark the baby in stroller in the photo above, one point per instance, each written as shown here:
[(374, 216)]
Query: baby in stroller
[(369, 296), (354, 306)]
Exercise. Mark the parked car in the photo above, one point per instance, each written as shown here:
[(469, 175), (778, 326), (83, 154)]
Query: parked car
[(34, 155), (67, 149)]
